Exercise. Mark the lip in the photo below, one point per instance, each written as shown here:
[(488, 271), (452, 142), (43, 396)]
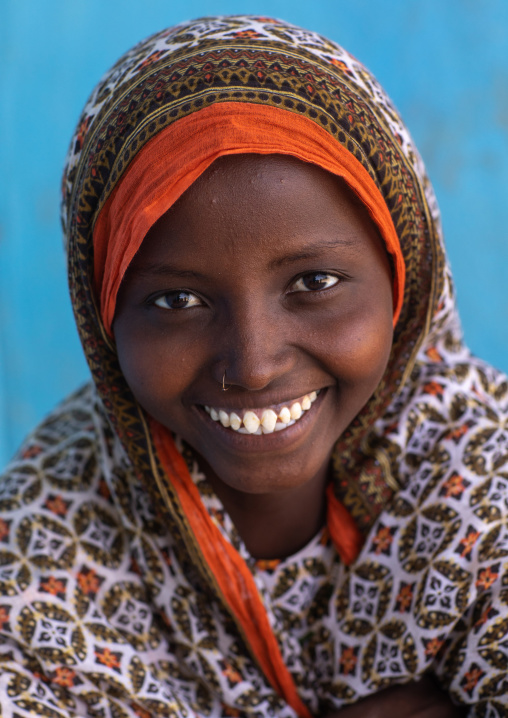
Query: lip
[(275, 441)]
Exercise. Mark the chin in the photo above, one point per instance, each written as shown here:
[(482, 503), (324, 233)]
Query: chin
[(267, 475)]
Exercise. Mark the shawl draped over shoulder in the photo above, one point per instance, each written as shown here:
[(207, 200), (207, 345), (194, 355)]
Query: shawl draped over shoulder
[(124, 588)]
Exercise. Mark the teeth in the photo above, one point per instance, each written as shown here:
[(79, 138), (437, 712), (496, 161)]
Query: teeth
[(224, 418), (269, 421), (235, 421), (285, 415), (296, 410), (251, 422)]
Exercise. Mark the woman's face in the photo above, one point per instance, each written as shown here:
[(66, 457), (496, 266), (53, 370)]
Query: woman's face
[(268, 270)]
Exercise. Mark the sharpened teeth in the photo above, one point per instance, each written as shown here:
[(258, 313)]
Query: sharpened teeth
[(263, 421), (268, 421), (296, 410), (251, 422), (235, 421), (285, 415), (224, 418)]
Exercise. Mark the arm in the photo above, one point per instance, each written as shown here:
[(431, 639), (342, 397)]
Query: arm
[(422, 699)]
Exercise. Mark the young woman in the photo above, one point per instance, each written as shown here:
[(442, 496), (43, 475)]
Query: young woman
[(283, 493)]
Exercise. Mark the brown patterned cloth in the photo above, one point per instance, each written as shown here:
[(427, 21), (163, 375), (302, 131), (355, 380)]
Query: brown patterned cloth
[(107, 607)]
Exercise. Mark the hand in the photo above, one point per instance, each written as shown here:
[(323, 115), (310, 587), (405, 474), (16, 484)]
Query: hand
[(422, 699)]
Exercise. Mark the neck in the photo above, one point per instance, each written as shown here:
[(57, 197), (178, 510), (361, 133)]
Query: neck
[(275, 525)]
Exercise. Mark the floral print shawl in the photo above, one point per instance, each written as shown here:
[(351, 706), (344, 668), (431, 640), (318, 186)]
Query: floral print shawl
[(108, 606)]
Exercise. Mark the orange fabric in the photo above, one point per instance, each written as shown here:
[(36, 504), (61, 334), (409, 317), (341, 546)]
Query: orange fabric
[(170, 162), (231, 573), (344, 533), (153, 182)]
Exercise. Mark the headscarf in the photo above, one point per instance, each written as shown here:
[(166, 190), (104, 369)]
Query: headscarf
[(160, 607), (162, 81), (173, 159)]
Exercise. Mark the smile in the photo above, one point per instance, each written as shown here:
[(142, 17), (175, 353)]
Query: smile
[(265, 420)]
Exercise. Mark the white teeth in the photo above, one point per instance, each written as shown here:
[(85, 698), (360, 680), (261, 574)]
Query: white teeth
[(235, 421), (285, 415), (296, 410), (251, 422), (224, 418), (269, 422)]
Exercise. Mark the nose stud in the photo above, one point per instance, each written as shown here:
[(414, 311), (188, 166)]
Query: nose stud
[(224, 387)]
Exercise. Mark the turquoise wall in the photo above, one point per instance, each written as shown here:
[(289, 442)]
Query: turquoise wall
[(444, 63)]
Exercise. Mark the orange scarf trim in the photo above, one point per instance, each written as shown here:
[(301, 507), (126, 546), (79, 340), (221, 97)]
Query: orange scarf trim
[(154, 180), (172, 160), (232, 573)]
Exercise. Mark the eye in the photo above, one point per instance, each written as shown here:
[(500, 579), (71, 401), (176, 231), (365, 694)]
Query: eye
[(178, 300), (314, 281)]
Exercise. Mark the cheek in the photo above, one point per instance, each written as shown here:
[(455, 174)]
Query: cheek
[(363, 348), (156, 371)]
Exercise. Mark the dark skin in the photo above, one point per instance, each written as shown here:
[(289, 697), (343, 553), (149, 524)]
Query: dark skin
[(270, 270), (418, 699), (269, 254)]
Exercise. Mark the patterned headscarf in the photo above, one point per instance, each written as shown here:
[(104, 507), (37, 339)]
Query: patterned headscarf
[(422, 469), (257, 60)]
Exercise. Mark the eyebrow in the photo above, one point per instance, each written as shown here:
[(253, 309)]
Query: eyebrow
[(314, 251), (164, 270)]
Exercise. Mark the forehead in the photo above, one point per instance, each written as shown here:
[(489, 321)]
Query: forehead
[(243, 178), (263, 203)]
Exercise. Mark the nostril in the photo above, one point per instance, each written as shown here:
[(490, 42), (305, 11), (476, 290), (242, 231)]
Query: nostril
[(252, 354)]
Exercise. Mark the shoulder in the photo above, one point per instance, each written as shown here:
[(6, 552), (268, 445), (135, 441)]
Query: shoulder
[(72, 422), (68, 452), (450, 419), (66, 558), (55, 499), (453, 463), (446, 530)]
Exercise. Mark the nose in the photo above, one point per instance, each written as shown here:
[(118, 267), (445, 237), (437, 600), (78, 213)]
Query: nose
[(254, 349)]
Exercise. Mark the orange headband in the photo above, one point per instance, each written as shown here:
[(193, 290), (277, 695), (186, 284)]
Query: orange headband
[(172, 160)]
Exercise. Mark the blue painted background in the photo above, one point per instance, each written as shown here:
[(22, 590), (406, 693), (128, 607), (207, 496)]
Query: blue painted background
[(444, 63)]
